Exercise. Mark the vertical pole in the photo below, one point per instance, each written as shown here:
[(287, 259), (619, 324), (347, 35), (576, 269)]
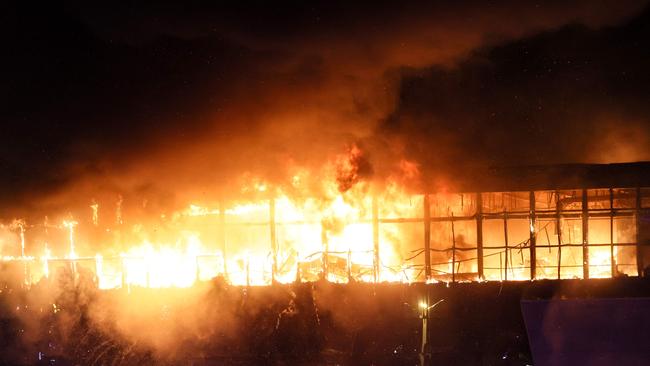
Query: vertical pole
[(349, 266), (298, 277), (46, 267), (26, 279), (558, 227), (639, 251), (425, 330), (222, 238), (500, 266), (123, 267), (505, 239), (248, 272), (375, 238), (324, 243), (274, 244), (533, 237), (21, 226), (453, 250), (427, 238), (99, 271), (612, 260), (479, 235), (585, 234), (73, 255), (47, 254)]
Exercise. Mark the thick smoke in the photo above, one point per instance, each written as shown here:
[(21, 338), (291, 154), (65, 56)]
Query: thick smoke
[(155, 107), (575, 94), (165, 104)]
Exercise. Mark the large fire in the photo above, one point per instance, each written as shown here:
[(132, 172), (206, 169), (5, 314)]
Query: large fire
[(354, 231), (302, 233)]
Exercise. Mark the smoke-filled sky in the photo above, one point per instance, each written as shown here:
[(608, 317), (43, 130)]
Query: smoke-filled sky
[(181, 99)]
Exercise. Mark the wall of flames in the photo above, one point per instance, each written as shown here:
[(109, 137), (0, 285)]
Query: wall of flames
[(356, 235)]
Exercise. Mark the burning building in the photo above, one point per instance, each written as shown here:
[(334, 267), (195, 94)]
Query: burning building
[(300, 172), (307, 274), (523, 223)]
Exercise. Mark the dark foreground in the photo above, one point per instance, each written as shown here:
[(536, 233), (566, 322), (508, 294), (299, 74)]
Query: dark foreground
[(69, 322)]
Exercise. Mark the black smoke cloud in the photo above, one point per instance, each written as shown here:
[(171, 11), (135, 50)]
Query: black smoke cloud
[(572, 95), (169, 102)]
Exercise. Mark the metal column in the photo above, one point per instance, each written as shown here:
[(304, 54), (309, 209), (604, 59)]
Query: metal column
[(612, 260), (505, 241), (453, 250), (558, 227), (375, 239), (479, 235), (585, 234), (427, 237), (222, 238), (639, 251), (325, 244), (533, 237), (274, 243)]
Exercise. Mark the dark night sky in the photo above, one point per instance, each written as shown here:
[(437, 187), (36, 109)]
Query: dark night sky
[(156, 99)]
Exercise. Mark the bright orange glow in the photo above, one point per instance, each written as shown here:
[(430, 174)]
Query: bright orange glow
[(361, 234)]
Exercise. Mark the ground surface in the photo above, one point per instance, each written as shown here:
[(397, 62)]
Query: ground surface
[(68, 321)]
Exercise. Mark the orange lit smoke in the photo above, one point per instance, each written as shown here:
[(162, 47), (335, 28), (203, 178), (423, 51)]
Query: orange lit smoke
[(353, 230)]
